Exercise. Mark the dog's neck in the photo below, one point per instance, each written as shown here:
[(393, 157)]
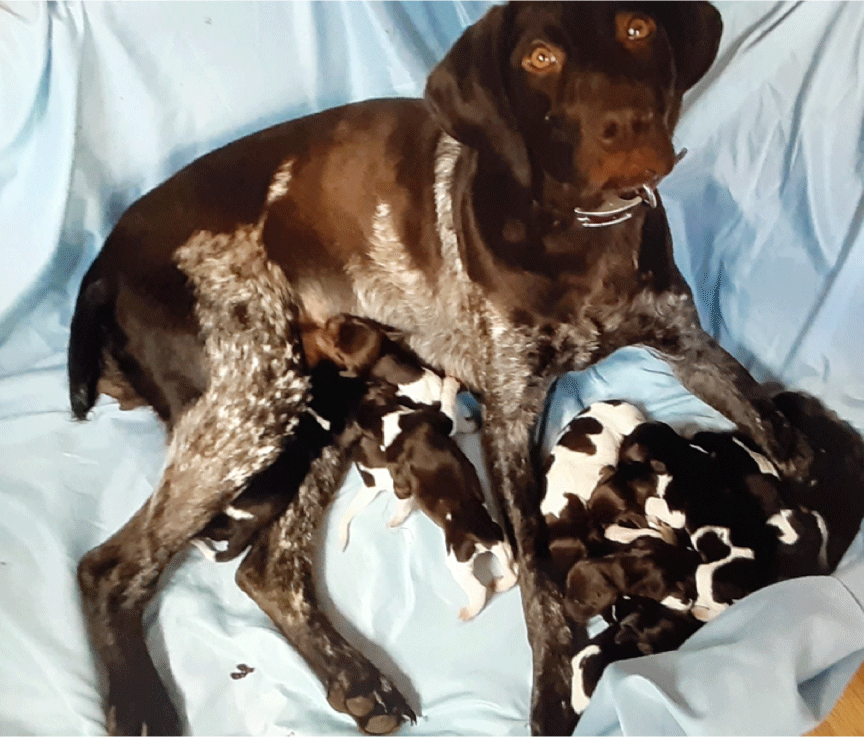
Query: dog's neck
[(522, 251)]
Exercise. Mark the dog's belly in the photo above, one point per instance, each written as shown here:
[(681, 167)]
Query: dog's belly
[(434, 318), (391, 254)]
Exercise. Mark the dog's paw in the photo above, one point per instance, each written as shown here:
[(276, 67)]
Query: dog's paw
[(137, 702), (795, 458), (138, 711), (552, 644), (373, 702), (552, 713)]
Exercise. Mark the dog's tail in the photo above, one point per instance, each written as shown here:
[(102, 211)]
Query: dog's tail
[(93, 312)]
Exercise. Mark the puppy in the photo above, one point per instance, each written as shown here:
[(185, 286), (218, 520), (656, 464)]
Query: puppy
[(432, 474), (336, 391), (636, 626), (583, 457), (403, 443), (646, 567)]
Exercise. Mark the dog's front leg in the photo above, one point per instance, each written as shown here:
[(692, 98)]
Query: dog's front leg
[(277, 574), (507, 438), (709, 372)]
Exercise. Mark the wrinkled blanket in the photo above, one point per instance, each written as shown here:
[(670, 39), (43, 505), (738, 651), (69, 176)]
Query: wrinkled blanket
[(99, 102)]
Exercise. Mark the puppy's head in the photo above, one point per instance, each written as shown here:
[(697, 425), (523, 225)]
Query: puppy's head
[(655, 445), (352, 343), (651, 626), (576, 100), (592, 587)]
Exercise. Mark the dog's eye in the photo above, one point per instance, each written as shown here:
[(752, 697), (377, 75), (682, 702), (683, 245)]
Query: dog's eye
[(633, 27), (542, 59), (639, 28)]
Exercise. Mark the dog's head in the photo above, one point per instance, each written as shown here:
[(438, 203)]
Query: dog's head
[(576, 101)]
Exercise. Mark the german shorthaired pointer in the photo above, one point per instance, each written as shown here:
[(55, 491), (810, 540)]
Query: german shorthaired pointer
[(508, 224), (676, 529)]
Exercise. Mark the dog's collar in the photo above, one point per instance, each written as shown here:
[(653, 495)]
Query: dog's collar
[(615, 209), (618, 209)]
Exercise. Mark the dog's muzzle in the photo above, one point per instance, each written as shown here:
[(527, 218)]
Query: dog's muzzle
[(616, 209)]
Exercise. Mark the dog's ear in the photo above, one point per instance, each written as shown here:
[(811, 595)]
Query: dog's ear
[(467, 93), (694, 30)]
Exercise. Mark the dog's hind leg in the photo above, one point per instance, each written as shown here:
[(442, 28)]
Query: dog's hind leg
[(232, 432), (209, 464), (277, 573)]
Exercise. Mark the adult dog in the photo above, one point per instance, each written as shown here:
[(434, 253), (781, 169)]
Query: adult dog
[(508, 225)]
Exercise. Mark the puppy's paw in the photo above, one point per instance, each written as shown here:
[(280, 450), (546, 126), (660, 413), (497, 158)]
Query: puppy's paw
[(372, 701), (465, 425), (504, 582)]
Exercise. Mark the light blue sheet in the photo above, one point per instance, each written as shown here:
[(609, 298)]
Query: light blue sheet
[(100, 102)]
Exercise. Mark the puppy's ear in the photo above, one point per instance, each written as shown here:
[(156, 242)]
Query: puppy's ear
[(316, 344), (694, 30), (467, 93)]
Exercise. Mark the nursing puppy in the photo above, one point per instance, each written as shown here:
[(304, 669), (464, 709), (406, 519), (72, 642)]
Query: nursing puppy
[(432, 474), (333, 399), (583, 456), (402, 442), (339, 355), (646, 567), (635, 626)]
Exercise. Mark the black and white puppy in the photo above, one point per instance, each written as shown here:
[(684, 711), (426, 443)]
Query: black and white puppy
[(404, 444), (334, 398), (584, 454), (636, 626)]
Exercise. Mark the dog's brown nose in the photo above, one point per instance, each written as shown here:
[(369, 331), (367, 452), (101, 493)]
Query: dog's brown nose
[(623, 128), (630, 169), (628, 140)]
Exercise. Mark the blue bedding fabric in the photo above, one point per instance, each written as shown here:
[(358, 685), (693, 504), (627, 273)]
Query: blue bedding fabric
[(99, 102)]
